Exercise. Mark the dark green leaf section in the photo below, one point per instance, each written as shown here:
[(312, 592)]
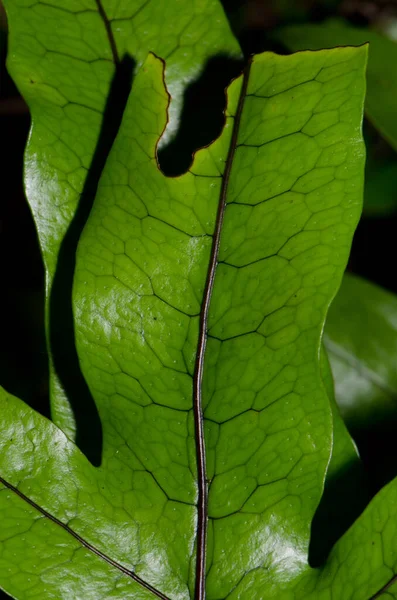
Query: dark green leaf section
[(346, 491), (380, 198), (381, 98), (361, 340), (293, 199), (63, 57)]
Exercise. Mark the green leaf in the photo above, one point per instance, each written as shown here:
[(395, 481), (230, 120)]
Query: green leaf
[(63, 57), (346, 491), (200, 303), (361, 341), (390, 593), (381, 98)]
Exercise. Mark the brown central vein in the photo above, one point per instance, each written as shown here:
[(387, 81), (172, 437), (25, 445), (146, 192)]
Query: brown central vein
[(384, 588), (109, 32), (83, 542), (199, 366)]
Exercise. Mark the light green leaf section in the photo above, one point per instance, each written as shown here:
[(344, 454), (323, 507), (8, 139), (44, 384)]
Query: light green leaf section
[(361, 341), (292, 201), (62, 60), (381, 98)]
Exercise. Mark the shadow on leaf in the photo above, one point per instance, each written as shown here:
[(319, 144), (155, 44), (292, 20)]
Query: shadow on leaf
[(62, 337)]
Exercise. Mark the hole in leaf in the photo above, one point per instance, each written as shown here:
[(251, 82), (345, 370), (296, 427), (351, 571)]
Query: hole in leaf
[(66, 362), (202, 117)]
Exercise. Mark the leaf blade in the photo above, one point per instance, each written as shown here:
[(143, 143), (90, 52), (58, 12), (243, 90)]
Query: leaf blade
[(381, 90), (65, 78), (372, 363), (138, 253), (145, 491)]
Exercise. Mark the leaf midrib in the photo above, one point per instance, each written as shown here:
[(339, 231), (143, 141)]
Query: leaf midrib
[(384, 588), (109, 33), (202, 506), (82, 541)]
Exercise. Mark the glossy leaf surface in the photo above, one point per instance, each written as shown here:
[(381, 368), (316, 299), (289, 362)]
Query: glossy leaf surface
[(280, 190), (381, 98), (63, 57)]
